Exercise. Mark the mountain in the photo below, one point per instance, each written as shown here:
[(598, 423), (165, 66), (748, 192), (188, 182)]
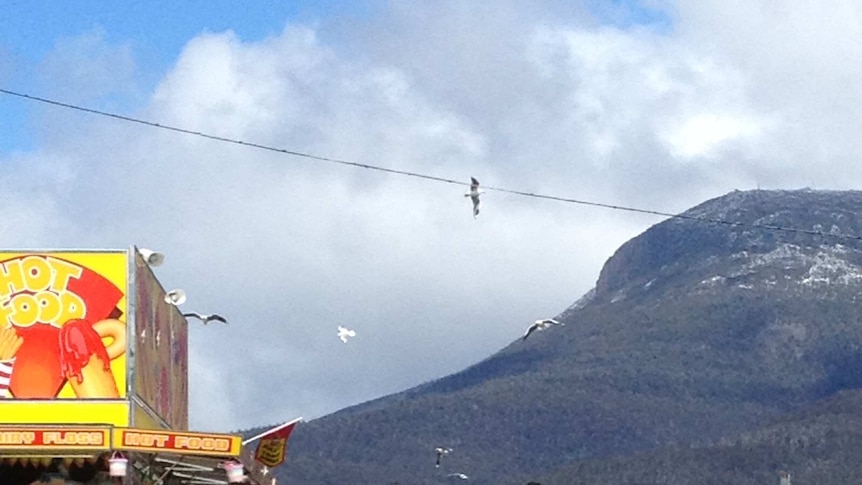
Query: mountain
[(732, 325), (819, 444)]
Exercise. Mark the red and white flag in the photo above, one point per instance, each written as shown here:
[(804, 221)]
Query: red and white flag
[(272, 448)]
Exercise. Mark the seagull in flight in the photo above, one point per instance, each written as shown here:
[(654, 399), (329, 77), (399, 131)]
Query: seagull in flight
[(474, 194), (441, 452), (344, 332), (206, 318), (541, 325), (458, 475)]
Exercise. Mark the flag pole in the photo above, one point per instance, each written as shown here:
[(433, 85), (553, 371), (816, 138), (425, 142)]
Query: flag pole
[(273, 430)]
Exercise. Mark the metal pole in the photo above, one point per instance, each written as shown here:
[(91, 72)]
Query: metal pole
[(273, 430)]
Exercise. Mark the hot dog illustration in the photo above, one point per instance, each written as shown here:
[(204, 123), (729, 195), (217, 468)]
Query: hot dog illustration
[(85, 360)]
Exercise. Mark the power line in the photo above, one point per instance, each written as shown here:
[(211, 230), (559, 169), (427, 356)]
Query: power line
[(226, 140), (425, 176)]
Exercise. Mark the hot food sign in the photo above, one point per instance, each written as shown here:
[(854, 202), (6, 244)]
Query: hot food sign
[(62, 325)]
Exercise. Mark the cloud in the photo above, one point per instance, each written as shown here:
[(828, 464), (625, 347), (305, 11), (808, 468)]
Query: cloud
[(798, 66), (700, 134), (540, 98)]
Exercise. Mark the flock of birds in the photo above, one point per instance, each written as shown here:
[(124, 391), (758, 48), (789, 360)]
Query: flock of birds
[(177, 297), (474, 194), (345, 333)]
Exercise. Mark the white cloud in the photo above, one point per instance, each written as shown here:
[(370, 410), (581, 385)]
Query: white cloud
[(799, 65), (701, 134)]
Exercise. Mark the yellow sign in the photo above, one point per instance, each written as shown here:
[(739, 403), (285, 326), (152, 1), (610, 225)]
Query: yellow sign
[(65, 411), (148, 440), (62, 334), (55, 438)]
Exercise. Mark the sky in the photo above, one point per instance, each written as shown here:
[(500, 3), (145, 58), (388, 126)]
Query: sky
[(651, 104)]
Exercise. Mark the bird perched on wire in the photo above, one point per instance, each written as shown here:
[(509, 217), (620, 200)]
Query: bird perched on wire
[(344, 332), (441, 452), (474, 194), (541, 325), (206, 318)]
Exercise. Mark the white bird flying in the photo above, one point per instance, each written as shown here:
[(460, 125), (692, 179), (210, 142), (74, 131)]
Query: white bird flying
[(441, 452), (458, 475), (541, 325), (474, 194), (344, 332), (206, 318)]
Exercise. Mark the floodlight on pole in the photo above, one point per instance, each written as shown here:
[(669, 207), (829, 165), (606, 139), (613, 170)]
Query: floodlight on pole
[(152, 258), (175, 297)]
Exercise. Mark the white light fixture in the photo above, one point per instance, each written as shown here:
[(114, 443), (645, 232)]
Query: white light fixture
[(117, 465), (234, 471), (175, 297), (151, 257)]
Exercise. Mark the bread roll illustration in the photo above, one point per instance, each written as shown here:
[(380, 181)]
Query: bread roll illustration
[(116, 331)]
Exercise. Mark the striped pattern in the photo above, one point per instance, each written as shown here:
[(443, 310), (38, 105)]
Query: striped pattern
[(5, 377)]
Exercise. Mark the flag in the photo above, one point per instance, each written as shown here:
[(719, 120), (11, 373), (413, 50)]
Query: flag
[(272, 447)]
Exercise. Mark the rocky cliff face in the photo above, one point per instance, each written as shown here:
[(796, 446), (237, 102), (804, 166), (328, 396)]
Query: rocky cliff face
[(812, 235), (705, 326)]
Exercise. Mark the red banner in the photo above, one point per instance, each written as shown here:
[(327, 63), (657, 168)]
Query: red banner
[(272, 448)]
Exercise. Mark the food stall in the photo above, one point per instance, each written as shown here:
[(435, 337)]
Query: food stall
[(94, 377)]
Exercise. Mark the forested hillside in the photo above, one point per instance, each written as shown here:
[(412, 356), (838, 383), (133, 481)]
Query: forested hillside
[(718, 347)]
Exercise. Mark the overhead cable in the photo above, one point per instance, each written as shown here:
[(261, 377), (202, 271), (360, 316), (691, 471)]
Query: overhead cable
[(378, 168)]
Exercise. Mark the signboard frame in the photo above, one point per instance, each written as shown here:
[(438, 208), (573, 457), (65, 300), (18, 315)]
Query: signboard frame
[(71, 438), (81, 295)]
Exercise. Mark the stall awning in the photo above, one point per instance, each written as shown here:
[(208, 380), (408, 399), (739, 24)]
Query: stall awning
[(162, 456)]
